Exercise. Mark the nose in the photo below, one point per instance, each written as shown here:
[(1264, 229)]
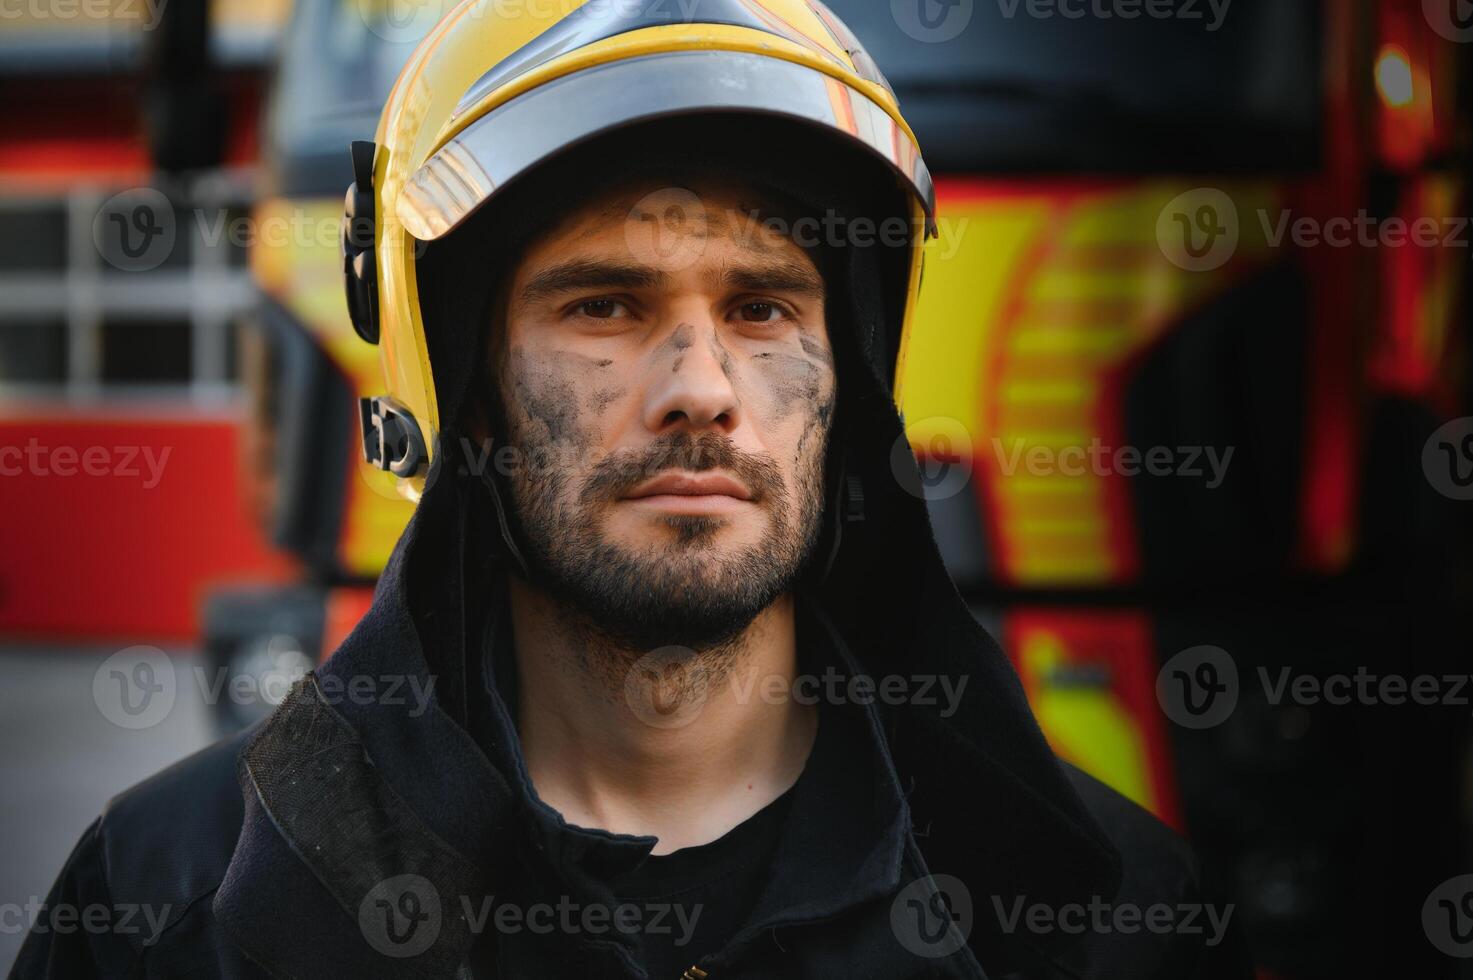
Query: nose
[(692, 384)]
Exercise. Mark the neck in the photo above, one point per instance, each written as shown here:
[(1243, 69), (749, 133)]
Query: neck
[(676, 744)]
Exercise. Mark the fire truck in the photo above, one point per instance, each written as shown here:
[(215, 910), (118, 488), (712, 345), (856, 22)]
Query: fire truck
[(303, 366), (1176, 382)]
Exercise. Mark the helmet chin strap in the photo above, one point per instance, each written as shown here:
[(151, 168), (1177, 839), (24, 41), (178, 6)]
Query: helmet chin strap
[(845, 505), (498, 505)]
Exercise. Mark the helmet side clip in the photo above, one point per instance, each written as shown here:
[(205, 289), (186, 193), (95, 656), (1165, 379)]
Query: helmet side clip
[(360, 269), (391, 439)]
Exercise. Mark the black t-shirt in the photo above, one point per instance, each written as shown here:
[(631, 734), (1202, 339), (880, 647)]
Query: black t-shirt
[(695, 899), (690, 902)]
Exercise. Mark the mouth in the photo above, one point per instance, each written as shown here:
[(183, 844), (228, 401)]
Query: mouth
[(691, 493)]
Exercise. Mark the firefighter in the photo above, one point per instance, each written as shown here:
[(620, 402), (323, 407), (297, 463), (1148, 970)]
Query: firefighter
[(665, 678)]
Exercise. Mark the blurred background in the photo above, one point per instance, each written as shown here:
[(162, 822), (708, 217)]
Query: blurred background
[(1189, 385)]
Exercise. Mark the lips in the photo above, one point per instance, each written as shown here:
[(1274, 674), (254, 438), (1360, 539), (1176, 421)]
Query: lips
[(691, 485)]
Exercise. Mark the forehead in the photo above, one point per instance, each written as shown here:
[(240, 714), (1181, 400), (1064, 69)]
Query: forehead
[(635, 218)]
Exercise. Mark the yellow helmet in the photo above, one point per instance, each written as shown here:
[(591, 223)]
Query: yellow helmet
[(496, 88)]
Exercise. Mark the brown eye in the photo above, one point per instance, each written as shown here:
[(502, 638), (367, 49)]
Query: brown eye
[(600, 309), (759, 312)]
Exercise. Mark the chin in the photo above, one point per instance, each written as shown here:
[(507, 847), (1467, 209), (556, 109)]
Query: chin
[(650, 596), (672, 534)]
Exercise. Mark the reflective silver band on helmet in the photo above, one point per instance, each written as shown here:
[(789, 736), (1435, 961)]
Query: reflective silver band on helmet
[(471, 167), (597, 21)]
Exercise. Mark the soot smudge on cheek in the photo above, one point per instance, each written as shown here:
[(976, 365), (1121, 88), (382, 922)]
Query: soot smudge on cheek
[(817, 351), (791, 383), (819, 423), (548, 390), (602, 398)]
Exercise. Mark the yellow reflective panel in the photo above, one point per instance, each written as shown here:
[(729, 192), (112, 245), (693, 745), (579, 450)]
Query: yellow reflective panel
[(1087, 725), (1090, 678)]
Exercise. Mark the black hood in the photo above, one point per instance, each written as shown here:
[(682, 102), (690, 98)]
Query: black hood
[(345, 792)]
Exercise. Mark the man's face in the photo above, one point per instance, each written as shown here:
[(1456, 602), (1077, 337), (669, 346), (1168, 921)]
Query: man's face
[(668, 384)]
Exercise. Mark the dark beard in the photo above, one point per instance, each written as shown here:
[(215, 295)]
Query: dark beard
[(669, 594)]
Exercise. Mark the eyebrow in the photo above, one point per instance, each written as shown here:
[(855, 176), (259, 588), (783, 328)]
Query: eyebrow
[(581, 274), (589, 274), (787, 277)]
